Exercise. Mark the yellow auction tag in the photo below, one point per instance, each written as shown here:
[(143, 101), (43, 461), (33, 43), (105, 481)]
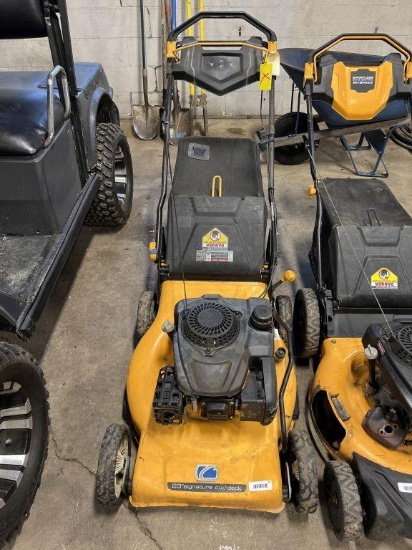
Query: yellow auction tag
[(265, 77)]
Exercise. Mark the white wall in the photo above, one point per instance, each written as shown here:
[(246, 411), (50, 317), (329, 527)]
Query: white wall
[(107, 31)]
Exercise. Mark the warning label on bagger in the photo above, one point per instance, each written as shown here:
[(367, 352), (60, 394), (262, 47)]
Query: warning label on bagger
[(215, 248), (384, 279), (207, 487)]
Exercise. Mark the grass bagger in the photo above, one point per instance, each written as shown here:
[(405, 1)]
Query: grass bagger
[(358, 323), (211, 391), (63, 161), (376, 121)]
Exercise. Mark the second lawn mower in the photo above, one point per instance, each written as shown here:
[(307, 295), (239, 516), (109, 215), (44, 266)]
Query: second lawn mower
[(361, 316), (211, 390)]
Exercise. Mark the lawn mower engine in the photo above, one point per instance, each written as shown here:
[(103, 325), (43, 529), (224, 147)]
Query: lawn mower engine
[(224, 362), (388, 349)]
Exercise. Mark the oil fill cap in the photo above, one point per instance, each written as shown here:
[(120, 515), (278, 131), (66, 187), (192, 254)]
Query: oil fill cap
[(261, 318)]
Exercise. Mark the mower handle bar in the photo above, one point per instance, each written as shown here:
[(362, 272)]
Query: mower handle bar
[(271, 36), (316, 54)]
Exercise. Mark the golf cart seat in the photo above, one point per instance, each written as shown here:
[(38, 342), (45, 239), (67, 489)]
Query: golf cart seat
[(23, 113), (218, 204)]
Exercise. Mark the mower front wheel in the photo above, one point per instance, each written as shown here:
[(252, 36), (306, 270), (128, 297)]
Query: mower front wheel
[(146, 312), (112, 204), (285, 311), (343, 500), (306, 323), (304, 476), (113, 468)]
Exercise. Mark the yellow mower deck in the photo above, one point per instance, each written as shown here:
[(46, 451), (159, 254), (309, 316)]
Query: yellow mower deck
[(343, 374), (244, 452)]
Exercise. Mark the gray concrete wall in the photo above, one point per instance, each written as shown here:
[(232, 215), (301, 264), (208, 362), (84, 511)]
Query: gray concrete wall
[(107, 31)]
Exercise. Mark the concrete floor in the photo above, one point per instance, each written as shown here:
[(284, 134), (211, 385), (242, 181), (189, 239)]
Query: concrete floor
[(84, 342)]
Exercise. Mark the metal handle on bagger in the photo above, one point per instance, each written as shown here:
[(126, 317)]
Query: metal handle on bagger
[(310, 65), (271, 36)]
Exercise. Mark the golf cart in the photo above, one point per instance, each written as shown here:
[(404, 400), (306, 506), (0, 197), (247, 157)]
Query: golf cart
[(63, 162)]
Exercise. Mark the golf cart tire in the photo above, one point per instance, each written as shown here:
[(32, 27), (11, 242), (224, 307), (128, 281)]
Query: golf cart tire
[(305, 492), (107, 209), (146, 312), (18, 366), (284, 308), (343, 501), (285, 125), (108, 493), (306, 323)]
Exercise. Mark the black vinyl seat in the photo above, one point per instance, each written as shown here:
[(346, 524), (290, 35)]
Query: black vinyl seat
[(23, 113)]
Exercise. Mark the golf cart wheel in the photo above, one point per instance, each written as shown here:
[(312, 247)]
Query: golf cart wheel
[(112, 204), (24, 412), (146, 312), (343, 501), (286, 126), (112, 476), (304, 475), (285, 311), (306, 323)]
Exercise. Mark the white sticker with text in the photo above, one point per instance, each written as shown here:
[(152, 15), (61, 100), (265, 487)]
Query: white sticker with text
[(405, 487), (260, 485)]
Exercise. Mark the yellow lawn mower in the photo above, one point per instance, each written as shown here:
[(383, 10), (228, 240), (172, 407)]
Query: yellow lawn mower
[(358, 323), (211, 391)]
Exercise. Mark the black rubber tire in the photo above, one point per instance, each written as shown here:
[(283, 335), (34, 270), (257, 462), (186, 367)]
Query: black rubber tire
[(284, 308), (19, 367), (146, 312), (108, 209), (306, 323), (109, 482), (343, 501), (304, 475), (285, 126)]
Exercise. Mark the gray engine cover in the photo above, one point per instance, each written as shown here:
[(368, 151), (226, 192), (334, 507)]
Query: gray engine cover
[(222, 373)]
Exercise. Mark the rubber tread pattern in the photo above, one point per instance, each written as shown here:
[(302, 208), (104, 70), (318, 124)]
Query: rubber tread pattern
[(350, 526), (106, 210), (303, 458)]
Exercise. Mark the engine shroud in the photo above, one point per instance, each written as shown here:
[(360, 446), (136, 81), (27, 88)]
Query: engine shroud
[(215, 344), (391, 383)]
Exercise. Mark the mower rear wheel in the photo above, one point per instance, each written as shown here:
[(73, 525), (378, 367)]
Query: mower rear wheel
[(24, 410), (289, 125), (304, 475), (112, 204), (146, 312), (343, 501), (306, 323), (285, 311), (113, 468)]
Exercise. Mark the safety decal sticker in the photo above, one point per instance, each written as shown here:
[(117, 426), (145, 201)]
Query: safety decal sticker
[(405, 487), (384, 279), (206, 487), (260, 485), (215, 248)]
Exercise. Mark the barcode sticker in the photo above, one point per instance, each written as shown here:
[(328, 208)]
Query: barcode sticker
[(260, 485), (405, 487)]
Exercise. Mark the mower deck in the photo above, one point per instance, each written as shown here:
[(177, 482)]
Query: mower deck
[(244, 454)]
